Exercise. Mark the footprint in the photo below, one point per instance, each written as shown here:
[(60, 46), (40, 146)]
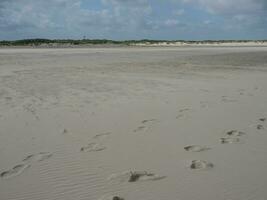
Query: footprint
[(235, 133), (28, 158), (140, 128), (93, 147), (200, 165), (121, 177), (43, 156), (227, 99), (204, 104), (135, 176), (18, 169), (262, 119), (229, 140), (145, 176), (111, 198), (15, 171), (148, 120), (117, 198), (101, 135), (205, 90), (196, 148), (183, 110), (38, 157), (179, 116), (260, 127)]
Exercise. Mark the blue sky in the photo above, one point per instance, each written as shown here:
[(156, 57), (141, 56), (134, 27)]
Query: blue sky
[(133, 19)]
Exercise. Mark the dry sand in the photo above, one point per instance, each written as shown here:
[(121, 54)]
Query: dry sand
[(139, 123)]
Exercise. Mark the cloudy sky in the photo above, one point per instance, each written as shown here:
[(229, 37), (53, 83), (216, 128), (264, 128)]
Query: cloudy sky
[(133, 19)]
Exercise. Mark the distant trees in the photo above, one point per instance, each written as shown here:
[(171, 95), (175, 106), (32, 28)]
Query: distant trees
[(84, 41)]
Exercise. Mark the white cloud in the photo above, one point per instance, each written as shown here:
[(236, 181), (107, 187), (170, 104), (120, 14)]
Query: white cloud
[(171, 22), (35, 14), (237, 14), (231, 7)]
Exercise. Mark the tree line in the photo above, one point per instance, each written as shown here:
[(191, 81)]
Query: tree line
[(40, 41)]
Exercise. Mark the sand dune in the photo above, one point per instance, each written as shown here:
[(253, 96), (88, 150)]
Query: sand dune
[(133, 123)]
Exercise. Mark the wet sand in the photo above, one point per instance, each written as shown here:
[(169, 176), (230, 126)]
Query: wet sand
[(147, 123)]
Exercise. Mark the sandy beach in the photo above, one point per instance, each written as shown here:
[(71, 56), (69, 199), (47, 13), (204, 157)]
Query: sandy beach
[(140, 123)]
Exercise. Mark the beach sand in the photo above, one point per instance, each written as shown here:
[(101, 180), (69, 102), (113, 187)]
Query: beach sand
[(150, 123)]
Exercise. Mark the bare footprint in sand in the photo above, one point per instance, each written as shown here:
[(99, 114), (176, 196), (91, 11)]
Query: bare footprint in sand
[(93, 147), (148, 120), (18, 169), (65, 131), (196, 148), (28, 158), (15, 171), (43, 156), (201, 165), (235, 133), (204, 104), (260, 127), (227, 99), (38, 157), (181, 111), (229, 140), (117, 198), (144, 176), (179, 116), (134, 176), (262, 119), (101, 135), (140, 128), (111, 198)]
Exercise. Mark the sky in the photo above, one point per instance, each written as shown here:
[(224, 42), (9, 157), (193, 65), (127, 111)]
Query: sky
[(133, 19)]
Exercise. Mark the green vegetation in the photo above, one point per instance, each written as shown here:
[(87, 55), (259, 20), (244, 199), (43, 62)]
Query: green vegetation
[(39, 41)]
